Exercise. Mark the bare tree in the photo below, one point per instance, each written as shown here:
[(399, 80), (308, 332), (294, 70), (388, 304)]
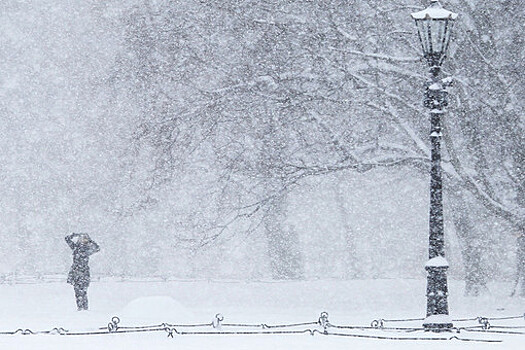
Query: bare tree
[(262, 95)]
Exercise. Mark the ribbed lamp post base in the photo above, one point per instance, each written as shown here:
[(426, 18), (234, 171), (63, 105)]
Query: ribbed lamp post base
[(438, 319)]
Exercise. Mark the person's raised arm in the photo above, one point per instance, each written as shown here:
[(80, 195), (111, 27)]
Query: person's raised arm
[(96, 247), (69, 240), (93, 247)]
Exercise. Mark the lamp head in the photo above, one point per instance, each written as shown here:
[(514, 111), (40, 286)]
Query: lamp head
[(434, 26)]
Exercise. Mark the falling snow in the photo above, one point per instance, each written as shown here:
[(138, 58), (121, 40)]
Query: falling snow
[(253, 144)]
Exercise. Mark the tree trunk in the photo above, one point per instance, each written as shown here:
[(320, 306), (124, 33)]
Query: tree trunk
[(472, 248), (349, 259), (284, 250)]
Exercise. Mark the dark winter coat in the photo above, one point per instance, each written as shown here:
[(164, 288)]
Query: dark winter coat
[(79, 275)]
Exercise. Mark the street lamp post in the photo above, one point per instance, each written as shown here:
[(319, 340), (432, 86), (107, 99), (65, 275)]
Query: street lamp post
[(434, 25)]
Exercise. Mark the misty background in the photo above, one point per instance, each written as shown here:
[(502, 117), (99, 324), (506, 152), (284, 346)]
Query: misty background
[(256, 139)]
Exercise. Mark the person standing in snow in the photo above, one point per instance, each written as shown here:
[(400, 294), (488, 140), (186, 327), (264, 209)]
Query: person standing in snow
[(79, 275)]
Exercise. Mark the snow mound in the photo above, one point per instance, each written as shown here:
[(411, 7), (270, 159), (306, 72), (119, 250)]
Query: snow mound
[(156, 309)]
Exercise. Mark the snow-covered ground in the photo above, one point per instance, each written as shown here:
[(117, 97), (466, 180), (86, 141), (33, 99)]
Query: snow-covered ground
[(47, 305)]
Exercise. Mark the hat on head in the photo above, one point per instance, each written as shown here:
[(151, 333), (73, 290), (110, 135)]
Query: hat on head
[(83, 237)]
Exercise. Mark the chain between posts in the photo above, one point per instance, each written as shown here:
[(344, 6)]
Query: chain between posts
[(323, 322), (380, 322)]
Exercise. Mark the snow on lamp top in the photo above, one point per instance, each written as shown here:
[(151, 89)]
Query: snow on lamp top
[(434, 25), (434, 11)]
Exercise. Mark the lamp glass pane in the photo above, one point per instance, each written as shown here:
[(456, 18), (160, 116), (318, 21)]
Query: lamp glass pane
[(422, 28), (437, 29), (446, 41)]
